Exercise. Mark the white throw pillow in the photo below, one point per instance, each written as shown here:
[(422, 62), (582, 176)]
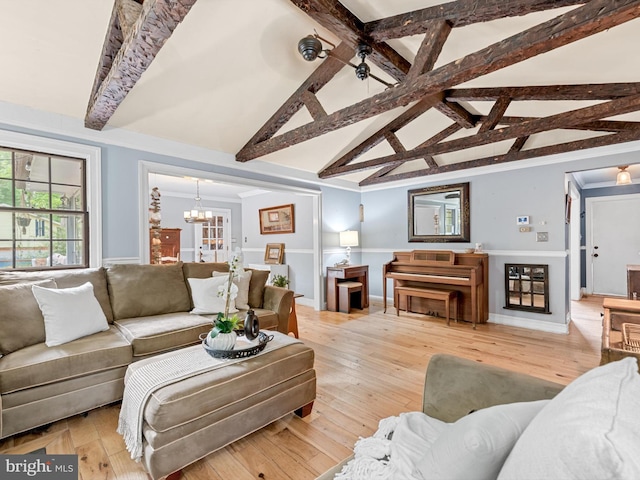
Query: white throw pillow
[(204, 293), (242, 281), (69, 313), (477, 445), (589, 430)]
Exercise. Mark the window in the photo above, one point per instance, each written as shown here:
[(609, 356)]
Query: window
[(44, 220)]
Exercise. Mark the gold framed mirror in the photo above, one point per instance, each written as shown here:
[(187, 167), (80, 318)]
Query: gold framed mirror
[(439, 214)]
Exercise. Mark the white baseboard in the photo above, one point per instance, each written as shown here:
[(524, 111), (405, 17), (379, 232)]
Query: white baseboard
[(529, 323)]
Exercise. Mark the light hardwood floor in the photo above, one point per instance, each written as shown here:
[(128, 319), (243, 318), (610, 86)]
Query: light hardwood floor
[(369, 365)]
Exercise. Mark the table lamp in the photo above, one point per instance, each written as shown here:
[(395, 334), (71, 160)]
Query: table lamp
[(349, 238)]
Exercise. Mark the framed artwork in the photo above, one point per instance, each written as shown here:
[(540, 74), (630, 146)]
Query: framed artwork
[(522, 220), (277, 219), (274, 253)]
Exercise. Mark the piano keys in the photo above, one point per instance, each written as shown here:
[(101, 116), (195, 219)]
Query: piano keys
[(467, 273)]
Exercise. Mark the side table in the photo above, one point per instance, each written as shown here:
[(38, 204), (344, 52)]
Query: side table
[(293, 317)]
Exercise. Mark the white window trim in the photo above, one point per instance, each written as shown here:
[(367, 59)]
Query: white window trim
[(93, 159)]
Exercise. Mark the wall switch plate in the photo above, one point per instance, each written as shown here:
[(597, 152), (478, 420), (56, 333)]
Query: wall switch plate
[(525, 229), (542, 237)]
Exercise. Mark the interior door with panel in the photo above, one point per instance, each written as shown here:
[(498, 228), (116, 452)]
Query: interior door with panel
[(213, 239), (613, 242)]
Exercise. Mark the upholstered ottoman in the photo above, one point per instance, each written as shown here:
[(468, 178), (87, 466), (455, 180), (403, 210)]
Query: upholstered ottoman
[(186, 420)]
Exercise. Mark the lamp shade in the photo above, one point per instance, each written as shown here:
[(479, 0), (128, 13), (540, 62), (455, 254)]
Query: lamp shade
[(349, 238), (623, 177)]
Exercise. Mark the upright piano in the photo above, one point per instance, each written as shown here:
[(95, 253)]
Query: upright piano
[(467, 273)]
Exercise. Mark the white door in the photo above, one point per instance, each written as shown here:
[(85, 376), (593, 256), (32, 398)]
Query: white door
[(213, 239), (613, 242)]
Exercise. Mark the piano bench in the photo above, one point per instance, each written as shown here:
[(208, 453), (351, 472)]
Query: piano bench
[(346, 291), (445, 295)]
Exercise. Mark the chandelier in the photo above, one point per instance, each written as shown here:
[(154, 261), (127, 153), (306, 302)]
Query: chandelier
[(198, 214)]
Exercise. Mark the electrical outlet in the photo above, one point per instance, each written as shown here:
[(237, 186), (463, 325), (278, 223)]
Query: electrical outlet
[(525, 229), (542, 237)]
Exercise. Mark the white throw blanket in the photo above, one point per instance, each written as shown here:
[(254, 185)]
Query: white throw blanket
[(169, 368), (392, 452)]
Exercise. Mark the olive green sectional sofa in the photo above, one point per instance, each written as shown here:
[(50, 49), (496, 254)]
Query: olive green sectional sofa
[(146, 312)]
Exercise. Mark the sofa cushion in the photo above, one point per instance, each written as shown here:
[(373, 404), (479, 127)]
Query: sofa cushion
[(143, 290), (476, 446), (206, 298), (41, 365), (158, 333), (256, 287), (68, 278), (69, 313), (589, 430), (21, 321)]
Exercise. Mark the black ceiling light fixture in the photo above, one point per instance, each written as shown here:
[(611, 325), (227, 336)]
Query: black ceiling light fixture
[(362, 70), (310, 47)]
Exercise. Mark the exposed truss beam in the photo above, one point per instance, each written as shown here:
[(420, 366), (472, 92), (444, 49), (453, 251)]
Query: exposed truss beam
[(594, 17), (437, 33), (497, 111), (125, 59), (458, 14), (527, 128), (513, 155), (393, 126)]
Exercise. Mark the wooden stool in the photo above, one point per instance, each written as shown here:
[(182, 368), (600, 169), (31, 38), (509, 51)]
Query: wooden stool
[(345, 293), (445, 295)]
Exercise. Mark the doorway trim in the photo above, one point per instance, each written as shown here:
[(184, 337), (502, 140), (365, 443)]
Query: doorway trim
[(146, 167)]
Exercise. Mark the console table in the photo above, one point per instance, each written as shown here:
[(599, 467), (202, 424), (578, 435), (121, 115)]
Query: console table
[(335, 275)]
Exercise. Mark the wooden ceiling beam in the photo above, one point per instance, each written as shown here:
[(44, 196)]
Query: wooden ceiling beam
[(596, 125), (513, 155), (316, 110), (596, 91), (457, 113), (333, 16), (318, 79), (458, 14), (153, 27), (396, 124), (437, 33), (496, 113), (431, 163), (594, 17), (563, 120)]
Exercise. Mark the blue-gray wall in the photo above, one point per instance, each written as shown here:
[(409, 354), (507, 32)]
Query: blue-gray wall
[(496, 199)]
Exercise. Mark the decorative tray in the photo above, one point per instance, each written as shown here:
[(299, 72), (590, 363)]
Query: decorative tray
[(262, 339), (631, 337)]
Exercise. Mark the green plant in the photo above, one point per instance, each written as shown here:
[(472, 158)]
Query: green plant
[(280, 281), (224, 324)]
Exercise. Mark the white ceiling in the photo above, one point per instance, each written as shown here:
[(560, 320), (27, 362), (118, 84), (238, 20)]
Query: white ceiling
[(231, 64)]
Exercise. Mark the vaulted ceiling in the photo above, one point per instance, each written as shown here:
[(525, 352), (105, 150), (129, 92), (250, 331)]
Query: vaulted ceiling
[(464, 84)]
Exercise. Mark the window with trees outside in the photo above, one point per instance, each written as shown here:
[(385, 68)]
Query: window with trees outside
[(43, 211)]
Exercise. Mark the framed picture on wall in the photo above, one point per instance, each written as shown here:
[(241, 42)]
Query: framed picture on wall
[(274, 253), (277, 219)]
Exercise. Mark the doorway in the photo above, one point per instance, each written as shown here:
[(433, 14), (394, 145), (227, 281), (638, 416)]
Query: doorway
[(612, 242), (213, 239)]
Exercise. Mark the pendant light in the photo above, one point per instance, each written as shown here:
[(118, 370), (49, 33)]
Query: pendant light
[(624, 177), (198, 214)]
